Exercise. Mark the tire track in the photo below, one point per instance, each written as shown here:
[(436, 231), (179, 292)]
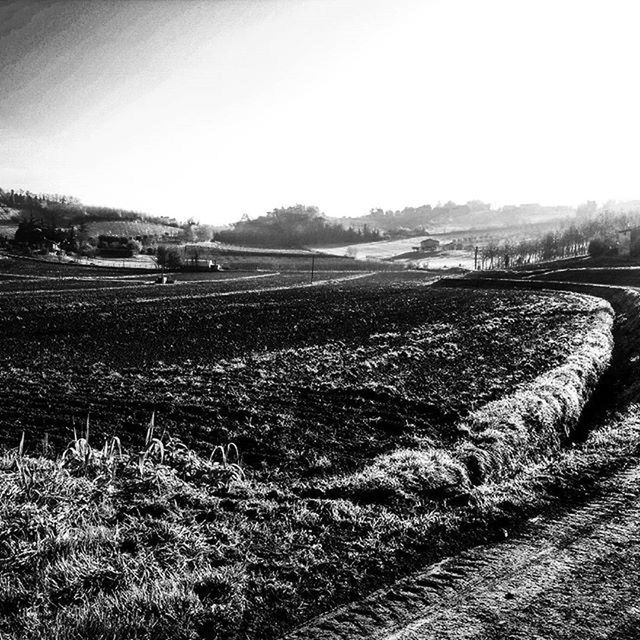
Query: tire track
[(572, 574)]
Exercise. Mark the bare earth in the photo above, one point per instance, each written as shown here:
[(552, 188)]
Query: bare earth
[(574, 575)]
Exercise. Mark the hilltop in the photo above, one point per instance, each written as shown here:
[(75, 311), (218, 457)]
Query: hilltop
[(58, 211)]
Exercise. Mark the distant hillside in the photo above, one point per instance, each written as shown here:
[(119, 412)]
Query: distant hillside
[(452, 217), (58, 211), (131, 228)]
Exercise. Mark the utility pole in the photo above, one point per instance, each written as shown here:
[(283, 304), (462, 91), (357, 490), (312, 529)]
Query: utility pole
[(313, 264)]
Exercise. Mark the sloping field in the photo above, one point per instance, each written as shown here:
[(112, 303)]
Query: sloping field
[(382, 249), (219, 248), (249, 258), (359, 414), (131, 228)]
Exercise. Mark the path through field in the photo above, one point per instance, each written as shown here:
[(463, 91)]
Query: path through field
[(574, 575), (130, 284), (298, 285)]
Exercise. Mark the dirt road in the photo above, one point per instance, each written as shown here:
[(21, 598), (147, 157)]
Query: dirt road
[(573, 575)]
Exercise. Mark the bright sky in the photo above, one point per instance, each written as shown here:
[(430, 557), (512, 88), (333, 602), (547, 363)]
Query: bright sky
[(216, 108)]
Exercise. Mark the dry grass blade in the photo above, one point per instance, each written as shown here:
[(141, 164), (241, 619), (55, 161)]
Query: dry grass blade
[(154, 449), (150, 429), (225, 453)]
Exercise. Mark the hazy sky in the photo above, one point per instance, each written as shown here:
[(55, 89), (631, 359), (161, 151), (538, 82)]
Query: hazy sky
[(218, 108)]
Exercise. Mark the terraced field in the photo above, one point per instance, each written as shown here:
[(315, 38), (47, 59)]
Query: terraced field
[(362, 411)]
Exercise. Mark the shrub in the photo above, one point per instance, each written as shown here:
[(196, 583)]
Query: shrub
[(169, 257), (134, 246)]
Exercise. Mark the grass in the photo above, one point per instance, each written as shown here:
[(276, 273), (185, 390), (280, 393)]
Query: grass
[(541, 415), (90, 547), (406, 475), (155, 555)]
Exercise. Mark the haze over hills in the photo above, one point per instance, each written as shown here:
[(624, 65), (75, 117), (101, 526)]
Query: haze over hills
[(301, 225), (452, 216)]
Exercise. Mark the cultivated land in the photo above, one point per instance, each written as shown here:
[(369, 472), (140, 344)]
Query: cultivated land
[(309, 442)]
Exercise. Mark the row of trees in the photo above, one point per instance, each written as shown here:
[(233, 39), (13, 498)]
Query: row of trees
[(293, 227), (597, 236), (551, 245)]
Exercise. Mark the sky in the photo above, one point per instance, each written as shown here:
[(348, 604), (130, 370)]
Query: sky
[(214, 109)]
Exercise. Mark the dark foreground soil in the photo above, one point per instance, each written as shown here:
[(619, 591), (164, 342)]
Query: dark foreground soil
[(571, 575)]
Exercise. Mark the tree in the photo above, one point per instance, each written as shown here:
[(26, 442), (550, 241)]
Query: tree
[(87, 250), (169, 257), (189, 233), (204, 232), (29, 233), (135, 246), (598, 247)]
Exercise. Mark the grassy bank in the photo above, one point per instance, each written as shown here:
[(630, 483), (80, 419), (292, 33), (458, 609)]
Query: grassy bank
[(498, 439)]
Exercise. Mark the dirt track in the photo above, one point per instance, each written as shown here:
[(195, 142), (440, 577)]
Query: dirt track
[(575, 575)]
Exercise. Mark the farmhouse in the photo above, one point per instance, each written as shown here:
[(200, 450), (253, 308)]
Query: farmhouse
[(629, 241), (430, 244)]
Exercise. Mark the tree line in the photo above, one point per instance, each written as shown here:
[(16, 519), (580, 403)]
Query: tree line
[(596, 235), (293, 227)]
